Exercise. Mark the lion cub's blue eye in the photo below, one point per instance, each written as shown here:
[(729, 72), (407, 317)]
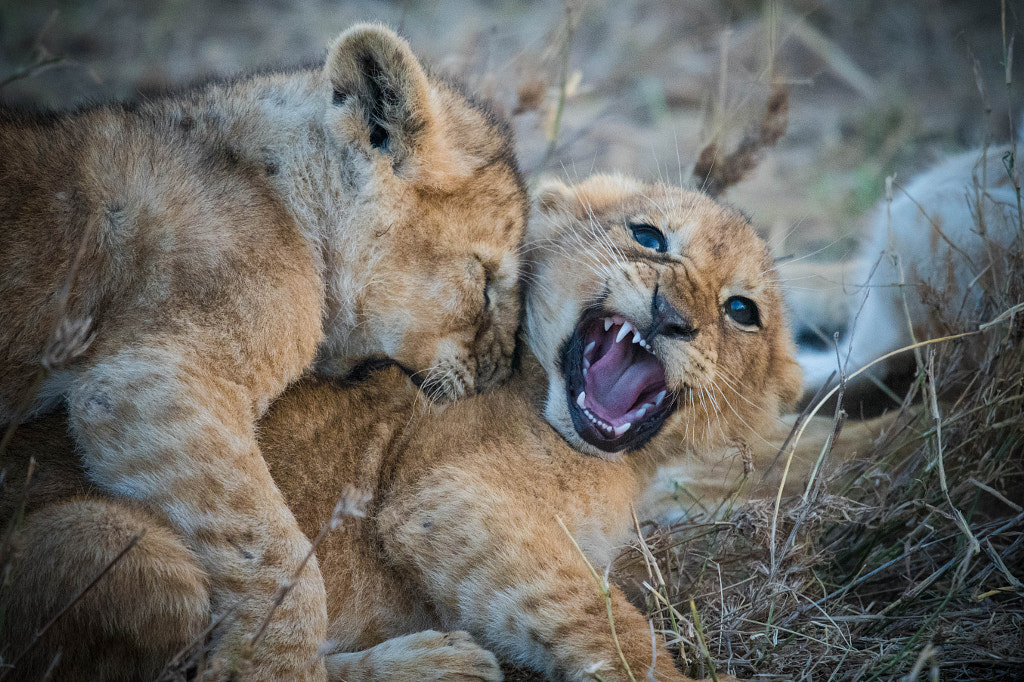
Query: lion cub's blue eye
[(743, 310), (649, 236)]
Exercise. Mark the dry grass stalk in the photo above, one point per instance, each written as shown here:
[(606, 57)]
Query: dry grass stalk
[(717, 172), (43, 59), (70, 338), (573, 9), (352, 503), (605, 590)]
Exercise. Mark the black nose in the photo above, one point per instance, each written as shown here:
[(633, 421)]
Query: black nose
[(668, 321)]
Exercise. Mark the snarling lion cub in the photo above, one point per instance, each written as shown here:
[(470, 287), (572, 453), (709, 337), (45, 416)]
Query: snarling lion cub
[(175, 264), (655, 321)]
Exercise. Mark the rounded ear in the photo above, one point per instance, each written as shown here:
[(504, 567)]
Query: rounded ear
[(554, 196), (373, 72), (554, 202)]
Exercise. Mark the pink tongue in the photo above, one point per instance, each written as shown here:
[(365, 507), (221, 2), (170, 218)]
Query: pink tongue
[(616, 381)]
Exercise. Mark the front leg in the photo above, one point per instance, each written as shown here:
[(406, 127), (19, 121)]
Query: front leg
[(510, 576), (559, 619), (159, 427)]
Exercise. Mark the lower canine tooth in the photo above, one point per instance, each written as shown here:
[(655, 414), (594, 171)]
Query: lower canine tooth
[(619, 430), (581, 398), (661, 396), (590, 347), (641, 412)]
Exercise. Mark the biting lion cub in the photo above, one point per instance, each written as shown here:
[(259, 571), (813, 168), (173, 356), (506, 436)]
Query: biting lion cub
[(654, 319), (198, 253)]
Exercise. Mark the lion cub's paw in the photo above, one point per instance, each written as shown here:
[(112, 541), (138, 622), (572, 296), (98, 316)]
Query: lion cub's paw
[(427, 655)]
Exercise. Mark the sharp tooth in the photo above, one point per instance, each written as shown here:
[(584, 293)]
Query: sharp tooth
[(637, 338), (590, 347), (586, 363), (625, 329), (661, 396), (641, 412), (619, 430), (581, 398), (584, 371), (607, 323)]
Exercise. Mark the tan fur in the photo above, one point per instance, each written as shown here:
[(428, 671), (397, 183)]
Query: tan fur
[(230, 239), (460, 526)]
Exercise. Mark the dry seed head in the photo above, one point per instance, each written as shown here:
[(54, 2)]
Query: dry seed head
[(352, 503), (69, 340)]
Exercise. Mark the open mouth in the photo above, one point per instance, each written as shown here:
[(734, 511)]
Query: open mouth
[(615, 384)]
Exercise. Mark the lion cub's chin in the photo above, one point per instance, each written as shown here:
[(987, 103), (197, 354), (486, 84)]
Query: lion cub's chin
[(660, 314)]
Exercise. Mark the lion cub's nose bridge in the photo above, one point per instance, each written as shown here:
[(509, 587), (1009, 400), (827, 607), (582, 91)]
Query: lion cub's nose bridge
[(669, 321)]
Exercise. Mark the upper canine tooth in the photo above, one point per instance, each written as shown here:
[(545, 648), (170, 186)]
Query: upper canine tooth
[(661, 396), (607, 323), (641, 412), (625, 329), (619, 430), (581, 398)]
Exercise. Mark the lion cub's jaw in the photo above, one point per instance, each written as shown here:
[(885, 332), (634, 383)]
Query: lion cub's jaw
[(440, 205), (660, 312)]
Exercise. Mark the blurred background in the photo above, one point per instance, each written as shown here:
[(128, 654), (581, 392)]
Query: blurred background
[(876, 87)]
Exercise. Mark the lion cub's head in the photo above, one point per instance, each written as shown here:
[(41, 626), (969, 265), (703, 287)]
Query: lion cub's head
[(436, 222), (653, 308)]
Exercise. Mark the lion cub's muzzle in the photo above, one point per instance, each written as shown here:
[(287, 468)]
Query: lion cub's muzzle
[(615, 383)]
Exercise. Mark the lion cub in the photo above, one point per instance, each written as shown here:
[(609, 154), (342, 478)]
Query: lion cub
[(654, 319), (175, 264)]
